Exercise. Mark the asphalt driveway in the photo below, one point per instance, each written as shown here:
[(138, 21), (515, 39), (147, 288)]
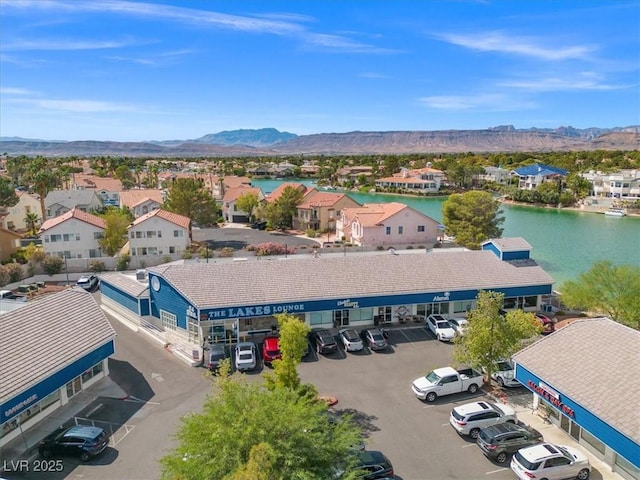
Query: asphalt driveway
[(240, 238)]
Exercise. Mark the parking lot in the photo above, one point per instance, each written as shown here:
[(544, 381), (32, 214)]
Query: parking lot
[(416, 436)]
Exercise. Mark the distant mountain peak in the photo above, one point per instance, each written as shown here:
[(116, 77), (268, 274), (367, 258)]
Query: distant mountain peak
[(259, 138)]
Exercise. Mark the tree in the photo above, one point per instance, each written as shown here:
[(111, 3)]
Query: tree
[(472, 218), (31, 219), (8, 197), (243, 423), (248, 202), (288, 203), (292, 343), (188, 197), (52, 265), (115, 233), (492, 336), (606, 289), (579, 186)]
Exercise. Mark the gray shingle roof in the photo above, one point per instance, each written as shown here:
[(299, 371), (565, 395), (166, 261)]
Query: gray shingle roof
[(42, 337), (126, 283), (255, 282), (70, 198), (595, 362), (511, 244)]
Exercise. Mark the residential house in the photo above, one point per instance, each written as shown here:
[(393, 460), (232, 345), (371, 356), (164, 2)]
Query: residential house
[(58, 202), (140, 202), (220, 185), (260, 171), (321, 210), (421, 180), (531, 176), (493, 174), (275, 195), (14, 217), (9, 243), (309, 170), (386, 225), (159, 232), (352, 174), (283, 169), (623, 184), (107, 188), (74, 234), (230, 212)]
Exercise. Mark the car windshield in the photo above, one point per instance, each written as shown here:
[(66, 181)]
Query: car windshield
[(351, 335), (217, 356), (433, 377), (566, 453), (443, 324), (326, 338), (526, 463), (505, 366), (273, 352), (377, 337)]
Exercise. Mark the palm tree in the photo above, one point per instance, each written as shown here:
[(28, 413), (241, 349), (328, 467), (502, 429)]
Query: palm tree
[(31, 219)]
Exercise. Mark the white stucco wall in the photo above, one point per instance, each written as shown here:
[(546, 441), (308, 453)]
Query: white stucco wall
[(76, 229)]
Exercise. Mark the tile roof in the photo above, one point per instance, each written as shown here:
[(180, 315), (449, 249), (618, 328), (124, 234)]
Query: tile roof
[(74, 213), (539, 169), (233, 181), (420, 171), (403, 180), (321, 199), (175, 218), (596, 363), (509, 244), (132, 198), (96, 183), (371, 214), (298, 279), (46, 334), (232, 194), (273, 196)]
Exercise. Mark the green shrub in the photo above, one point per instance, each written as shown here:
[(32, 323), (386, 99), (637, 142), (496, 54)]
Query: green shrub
[(227, 252), (52, 265), (166, 259), (97, 266), (311, 233), (123, 262), (187, 255), (205, 252), (379, 247)]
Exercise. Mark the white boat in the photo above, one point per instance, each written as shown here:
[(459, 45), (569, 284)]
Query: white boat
[(615, 212)]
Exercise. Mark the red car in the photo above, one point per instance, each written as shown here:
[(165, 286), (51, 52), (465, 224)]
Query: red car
[(271, 349), (548, 325)]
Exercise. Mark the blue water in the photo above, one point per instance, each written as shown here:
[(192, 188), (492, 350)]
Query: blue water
[(565, 243)]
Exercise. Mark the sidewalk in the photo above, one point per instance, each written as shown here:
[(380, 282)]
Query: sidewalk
[(554, 434), (26, 445)]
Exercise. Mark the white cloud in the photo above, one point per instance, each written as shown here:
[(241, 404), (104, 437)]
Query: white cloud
[(497, 41), (488, 102), (550, 84), (69, 44), (15, 91), (76, 106)]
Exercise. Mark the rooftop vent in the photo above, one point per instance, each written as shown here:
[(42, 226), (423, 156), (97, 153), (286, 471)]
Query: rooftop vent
[(141, 276)]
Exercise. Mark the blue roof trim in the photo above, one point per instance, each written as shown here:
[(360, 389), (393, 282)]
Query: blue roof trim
[(539, 169)]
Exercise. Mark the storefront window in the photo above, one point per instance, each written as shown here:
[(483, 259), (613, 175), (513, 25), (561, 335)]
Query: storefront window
[(361, 315), (531, 302), (421, 310), (593, 441), (320, 318), (73, 387), (627, 466), (510, 303), (92, 372), (464, 306)]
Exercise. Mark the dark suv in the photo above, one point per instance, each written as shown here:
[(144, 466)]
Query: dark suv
[(325, 342), (81, 441), (499, 442), (214, 354), (375, 464)]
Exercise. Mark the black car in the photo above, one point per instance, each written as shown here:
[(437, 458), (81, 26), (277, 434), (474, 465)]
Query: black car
[(374, 338), (259, 225), (214, 354), (325, 342), (82, 441), (499, 442), (375, 464)]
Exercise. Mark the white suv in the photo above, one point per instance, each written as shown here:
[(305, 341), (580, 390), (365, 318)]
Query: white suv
[(551, 462), (468, 419), (440, 327)]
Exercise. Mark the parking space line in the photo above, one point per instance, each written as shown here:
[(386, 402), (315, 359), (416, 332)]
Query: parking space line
[(94, 410), (444, 424), (469, 445), (405, 336), (496, 471)]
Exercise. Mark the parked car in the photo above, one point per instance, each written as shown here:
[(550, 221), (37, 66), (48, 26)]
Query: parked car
[(351, 340), (246, 357), (459, 325), (271, 349), (374, 338), (82, 441), (214, 354), (446, 381), (470, 418), (505, 374), (88, 282), (499, 442), (551, 462), (440, 327), (325, 343), (375, 463), (260, 225), (548, 325)]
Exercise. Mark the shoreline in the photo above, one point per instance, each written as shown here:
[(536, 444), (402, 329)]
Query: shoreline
[(582, 208)]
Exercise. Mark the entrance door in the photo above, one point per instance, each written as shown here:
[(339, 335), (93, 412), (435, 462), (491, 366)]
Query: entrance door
[(341, 318)]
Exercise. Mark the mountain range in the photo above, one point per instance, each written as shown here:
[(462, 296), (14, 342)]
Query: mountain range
[(272, 142)]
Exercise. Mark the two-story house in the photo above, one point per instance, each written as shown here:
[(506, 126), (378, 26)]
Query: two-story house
[(106, 188), (321, 210), (13, 218), (220, 185), (386, 225), (420, 180), (74, 234), (352, 174), (58, 202), (493, 174), (159, 232), (533, 175), (9, 243), (230, 212), (140, 202), (623, 184)]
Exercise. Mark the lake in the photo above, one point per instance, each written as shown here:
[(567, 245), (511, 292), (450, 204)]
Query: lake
[(565, 243)]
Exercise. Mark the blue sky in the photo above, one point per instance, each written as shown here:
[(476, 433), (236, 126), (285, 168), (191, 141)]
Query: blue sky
[(161, 70)]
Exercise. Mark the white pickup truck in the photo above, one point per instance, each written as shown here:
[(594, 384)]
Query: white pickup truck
[(445, 381), (9, 296)]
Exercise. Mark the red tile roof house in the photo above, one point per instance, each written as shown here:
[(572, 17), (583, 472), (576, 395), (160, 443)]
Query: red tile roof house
[(74, 234), (422, 180), (142, 201), (229, 210), (275, 195), (320, 210), (156, 235), (386, 225)]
